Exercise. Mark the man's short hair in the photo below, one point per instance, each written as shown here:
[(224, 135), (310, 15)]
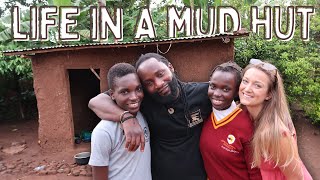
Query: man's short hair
[(117, 71), (147, 56)]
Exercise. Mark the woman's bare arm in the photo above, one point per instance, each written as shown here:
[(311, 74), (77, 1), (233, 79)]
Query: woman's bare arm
[(293, 171)]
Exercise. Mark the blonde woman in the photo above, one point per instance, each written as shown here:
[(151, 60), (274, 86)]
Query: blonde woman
[(274, 144)]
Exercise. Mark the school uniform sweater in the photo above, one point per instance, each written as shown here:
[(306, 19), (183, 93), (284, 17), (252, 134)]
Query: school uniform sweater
[(225, 145)]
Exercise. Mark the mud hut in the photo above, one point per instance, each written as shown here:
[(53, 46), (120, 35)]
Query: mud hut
[(67, 76)]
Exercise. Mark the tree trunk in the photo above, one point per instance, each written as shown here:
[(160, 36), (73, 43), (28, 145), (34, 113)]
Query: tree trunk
[(102, 2), (19, 97), (192, 4)]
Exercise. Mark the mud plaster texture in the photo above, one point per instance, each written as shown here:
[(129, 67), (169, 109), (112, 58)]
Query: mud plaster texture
[(192, 61)]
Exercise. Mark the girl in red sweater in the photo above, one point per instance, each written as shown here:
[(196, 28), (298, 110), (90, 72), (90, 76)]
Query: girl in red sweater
[(225, 142)]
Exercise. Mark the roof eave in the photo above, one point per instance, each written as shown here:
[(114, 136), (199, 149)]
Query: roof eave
[(118, 45)]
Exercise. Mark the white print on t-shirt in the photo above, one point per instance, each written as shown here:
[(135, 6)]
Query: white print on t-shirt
[(228, 147), (196, 118)]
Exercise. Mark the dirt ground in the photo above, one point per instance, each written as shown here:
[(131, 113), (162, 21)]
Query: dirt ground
[(22, 137), (53, 166)]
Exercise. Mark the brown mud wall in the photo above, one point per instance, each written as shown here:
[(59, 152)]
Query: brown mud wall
[(192, 61)]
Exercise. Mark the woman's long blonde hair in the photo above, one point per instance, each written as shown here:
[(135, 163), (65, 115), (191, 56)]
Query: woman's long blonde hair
[(271, 123)]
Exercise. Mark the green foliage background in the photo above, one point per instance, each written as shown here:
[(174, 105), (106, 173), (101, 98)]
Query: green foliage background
[(298, 61)]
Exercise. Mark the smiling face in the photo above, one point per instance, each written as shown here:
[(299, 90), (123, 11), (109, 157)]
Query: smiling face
[(222, 89), (127, 92), (158, 79), (254, 89)]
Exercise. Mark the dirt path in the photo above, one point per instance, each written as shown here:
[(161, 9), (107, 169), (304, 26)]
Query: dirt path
[(53, 166), (60, 166), (309, 143)]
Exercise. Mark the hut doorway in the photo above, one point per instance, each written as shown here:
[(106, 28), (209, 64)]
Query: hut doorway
[(83, 86)]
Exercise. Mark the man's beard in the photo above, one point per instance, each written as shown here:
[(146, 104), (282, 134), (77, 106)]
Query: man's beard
[(174, 88)]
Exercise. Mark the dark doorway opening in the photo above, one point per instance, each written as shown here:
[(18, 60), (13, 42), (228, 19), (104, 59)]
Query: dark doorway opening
[(83, 86)]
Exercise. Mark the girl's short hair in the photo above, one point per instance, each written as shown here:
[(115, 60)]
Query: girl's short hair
[(231, 67)]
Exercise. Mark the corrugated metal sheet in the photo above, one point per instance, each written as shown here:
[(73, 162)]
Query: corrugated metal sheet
[(31, 51)]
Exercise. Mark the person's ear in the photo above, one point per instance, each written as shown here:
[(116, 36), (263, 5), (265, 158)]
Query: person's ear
[(268, 98), (171, 67), (111, 93)]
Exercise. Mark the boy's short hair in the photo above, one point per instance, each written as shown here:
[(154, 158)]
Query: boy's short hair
[(117, 71)]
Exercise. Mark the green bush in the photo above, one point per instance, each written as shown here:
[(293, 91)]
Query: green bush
[(298, 63), (17, 99)]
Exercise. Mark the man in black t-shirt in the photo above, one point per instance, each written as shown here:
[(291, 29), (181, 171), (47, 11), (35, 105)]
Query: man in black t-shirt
[(174, 111)]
